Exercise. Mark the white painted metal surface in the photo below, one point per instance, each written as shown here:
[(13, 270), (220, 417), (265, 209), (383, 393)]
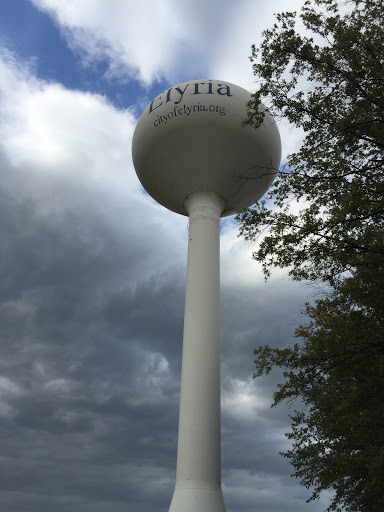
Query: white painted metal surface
[(198, 477), (191, 138)]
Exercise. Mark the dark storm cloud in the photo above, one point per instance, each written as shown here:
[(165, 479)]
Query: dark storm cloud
[(92, 279), (85, 386), (274, 310), (91, 317)]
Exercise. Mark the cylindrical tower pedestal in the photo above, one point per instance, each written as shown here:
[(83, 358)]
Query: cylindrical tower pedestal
[(198, 475)]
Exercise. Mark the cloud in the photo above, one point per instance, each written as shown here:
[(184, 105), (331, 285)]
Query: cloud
[(141, 40), (170, 41), (82, 257), (155, 41), (91, 310)]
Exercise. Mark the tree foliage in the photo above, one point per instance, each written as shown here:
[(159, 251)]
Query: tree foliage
[(334, 92), (337, 371), (323, 221)]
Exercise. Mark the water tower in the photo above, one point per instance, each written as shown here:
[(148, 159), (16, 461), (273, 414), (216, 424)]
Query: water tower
[(192, 154)]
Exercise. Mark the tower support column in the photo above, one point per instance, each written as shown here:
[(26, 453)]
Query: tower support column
[(198, 474)]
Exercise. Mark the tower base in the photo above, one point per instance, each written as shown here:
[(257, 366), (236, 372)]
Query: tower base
[(197, 500)]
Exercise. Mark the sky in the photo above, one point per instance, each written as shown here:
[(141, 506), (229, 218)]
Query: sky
[(93, 269)]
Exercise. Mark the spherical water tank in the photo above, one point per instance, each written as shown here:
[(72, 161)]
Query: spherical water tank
[(191, 138)]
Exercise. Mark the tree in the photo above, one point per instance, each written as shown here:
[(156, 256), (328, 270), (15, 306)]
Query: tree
[(334, 92), (337, 371), (323, 220)]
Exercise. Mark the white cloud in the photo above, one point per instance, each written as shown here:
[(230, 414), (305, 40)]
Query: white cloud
[(52, 128), (241, 400), (152, 41), (139, 39), (72, 139), (244, 27)]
